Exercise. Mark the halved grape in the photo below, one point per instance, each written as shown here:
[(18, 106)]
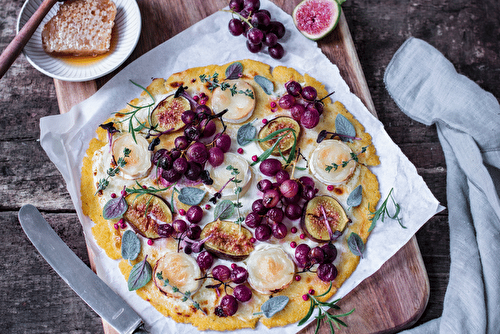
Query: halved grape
[(208, 128), (165, 230)]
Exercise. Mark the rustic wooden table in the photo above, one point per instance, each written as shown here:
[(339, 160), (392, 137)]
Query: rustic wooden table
[(34, 300)]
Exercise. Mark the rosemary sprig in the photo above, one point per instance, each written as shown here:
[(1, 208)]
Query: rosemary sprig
[(132, 115), (330, 318), (383, 210), (354, 157), (187, 294), (104, 182), (145, 190), (278, 135)]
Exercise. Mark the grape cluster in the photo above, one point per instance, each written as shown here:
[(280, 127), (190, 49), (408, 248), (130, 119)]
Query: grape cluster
[(229, 303), (280, 199), (324, 255), (302, 103), (191, 151), (258, 28)]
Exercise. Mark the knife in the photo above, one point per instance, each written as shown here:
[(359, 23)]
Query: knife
[(104, 301)]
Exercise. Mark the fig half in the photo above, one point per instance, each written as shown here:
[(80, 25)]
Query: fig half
[(166, 116), (228, 240), (145, 212), (279, 123), (313, 219)]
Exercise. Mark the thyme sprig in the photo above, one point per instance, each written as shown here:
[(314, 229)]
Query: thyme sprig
[(332, 319), (186, 295), (214, 82), (237, 190), (354, 157), (112, 171), (383, 211)]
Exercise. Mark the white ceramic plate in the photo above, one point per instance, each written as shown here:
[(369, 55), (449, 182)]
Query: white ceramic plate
[(126, 33)]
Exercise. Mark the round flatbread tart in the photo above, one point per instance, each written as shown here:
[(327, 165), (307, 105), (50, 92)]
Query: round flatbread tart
[(231, 194)]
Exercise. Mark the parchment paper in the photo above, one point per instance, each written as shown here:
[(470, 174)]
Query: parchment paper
[(65, 139)]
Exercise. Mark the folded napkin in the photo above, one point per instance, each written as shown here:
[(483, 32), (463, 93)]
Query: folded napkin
[(427, 88)]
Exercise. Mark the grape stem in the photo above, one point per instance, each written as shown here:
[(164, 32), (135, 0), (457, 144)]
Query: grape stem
[(246, 20)]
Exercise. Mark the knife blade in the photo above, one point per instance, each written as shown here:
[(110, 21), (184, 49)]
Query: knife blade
[(100, 297)]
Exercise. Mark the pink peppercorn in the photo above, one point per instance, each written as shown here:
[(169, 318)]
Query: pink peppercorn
[(150, 242), (255, 158), (298, 277), (311, 292), (253, 240), (264, 121), (202, 101), (121, 221), (273, 104), (293, 230), (123, 225), (233, 265), (182, 212), (302, 236), (240, 150), (208, 206), (113, 195), (116, 226), (203, 95), (124, 193), (293, 244), (196, 98), (305, 297), (330, 188)]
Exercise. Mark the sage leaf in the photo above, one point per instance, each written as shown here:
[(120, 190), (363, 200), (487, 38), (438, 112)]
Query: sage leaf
[(266, 84), (224, 209), (114, 208), (131, 245), (246, 134), (191, 195), (344, 127), (356, 244), (274, 305), (355, 197), (140, 275), (234, 71)]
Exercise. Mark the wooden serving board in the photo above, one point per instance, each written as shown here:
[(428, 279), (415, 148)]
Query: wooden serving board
[(395, 296)]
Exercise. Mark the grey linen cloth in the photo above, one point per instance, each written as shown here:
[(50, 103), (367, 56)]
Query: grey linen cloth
[(426, 87)]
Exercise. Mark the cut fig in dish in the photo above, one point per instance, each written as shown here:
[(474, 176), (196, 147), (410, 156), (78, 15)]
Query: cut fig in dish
[(135, 154), (228, 240), (179, 270), (313, 219), (166, 116), (279, 123), (317, 18), (145, 212)]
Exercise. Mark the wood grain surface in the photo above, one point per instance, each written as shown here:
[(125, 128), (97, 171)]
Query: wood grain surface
[(35, 300)]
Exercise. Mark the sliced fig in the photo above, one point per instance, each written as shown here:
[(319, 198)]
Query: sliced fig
[(313, 219), (317, 18), (166, 116), (134, 153), (180, 270), (145, 212), (227, 240), (270, 269), (276, 124)]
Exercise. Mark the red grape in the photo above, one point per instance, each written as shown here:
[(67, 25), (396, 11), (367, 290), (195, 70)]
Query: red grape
[(179, 225), (180, 165), (242, 293), (276, 51), (310, 118), (188, 117), (205, 260), (270, 167), (221, 272), (229, 305), (279, 230), (293, 88), (289, 188), (253, 220), (271, 198), (327, 272), (197, 152), (297, 110), (236, 5), (264, 184), (193, 232), (302, 254), (215, 156), (223, 141), (282, 176), (270, 40), (317, 255), (194, 171), (293, 211), (194, 214), (309, 93), (165, 230), (330, 252), (276, 215), (286, 101), (235, 27), (263, 232), (254, 48), (181, 142), (258, 207), (239, 275)]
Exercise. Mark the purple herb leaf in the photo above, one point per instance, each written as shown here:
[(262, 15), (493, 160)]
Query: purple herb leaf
[(356, 244), (115, 208), (140, 275), (234, 71)]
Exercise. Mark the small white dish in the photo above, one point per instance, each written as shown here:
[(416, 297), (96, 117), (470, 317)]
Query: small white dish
[(126, 34)]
